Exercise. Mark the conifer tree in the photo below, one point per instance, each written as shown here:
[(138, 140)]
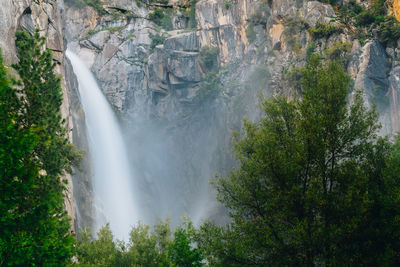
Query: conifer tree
[(34, 154), (42, 101)]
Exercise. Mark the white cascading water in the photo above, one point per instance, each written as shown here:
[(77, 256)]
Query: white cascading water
[(112, 181)]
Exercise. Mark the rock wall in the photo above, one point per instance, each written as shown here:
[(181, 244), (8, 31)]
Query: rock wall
[(47, 16), (178, 130), (177, 137)]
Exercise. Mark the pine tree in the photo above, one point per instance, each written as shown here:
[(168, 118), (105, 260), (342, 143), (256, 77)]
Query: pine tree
[(34, 154), (42, 100)]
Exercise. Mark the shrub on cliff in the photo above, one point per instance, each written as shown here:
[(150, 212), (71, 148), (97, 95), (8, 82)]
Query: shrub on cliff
[(389, 31), (162, 17)]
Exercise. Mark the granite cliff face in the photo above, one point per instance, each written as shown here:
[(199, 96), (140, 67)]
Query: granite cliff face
[(180, 87), (178, 130)]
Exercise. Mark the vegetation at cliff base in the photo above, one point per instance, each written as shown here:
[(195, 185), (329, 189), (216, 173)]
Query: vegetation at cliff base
[(315, 185), (34, 155), (146, 247)]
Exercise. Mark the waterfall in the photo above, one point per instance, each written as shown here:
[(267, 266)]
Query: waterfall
[(112, 181)]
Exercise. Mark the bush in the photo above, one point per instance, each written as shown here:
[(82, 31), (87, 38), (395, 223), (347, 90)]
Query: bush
[(162, 2), (340, 51), (310, 50), (91, 32), (250, 33), (156, 39), (210, 87), (389, 31), (349, 11), (378, 7), (227, 4), (322, 30), (161, 17), (96, 4), (365, 18), (192, 15), (209, 57)]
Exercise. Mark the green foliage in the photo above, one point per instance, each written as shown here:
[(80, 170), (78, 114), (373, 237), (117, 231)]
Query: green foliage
[(129, 16), (100, 252), (310, 50), (250, 33), (41, 105), (374, 15), (156, 39), (211, 84), (365, 18), (312, 180), (258, 78), (340, 51), (260, 16), (293, 27), (162, 2), (331, 2), (323, 30), (363, 22), (96, 4), (293, 77), (150, 248), (145, 247), (192, 15), (209, 57), (378, 7), (161, 17), (227, 4), (34, 154), (349, 12), (389, 31), (181, 250)]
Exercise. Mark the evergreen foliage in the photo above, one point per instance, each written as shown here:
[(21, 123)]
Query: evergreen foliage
[(156, 39), (211, 84), (41, 104), (96, 4), (34, 153), (314, 185), (389, 31), (192, 23), (162, 17), (145, 247), (323, 30)]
